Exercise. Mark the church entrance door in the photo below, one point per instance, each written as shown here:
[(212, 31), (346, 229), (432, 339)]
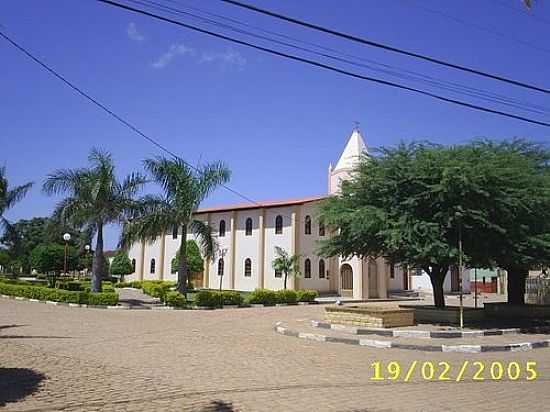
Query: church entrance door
[(346, 280)]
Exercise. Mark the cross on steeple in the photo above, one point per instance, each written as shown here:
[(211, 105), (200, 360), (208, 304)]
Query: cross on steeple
[(356, 125)]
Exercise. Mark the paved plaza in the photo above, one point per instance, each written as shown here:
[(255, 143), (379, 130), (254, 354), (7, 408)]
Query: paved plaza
[(62, 358)]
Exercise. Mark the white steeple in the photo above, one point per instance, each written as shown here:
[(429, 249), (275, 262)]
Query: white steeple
[(353, 151)]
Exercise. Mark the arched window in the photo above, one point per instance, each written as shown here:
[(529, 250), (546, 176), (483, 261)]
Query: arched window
[(248, 227), (221, 231), (307, 268), (278, 225), (321, 269), (153, 266), (220, 266), (278, 273), (321, 227), (133, 266), (248, 267), (175, 232), (307, 230)]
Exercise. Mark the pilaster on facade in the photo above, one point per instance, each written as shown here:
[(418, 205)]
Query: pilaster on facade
[(142, 260), (206, 263), (261, 249), (295, 242), (382, 269), (233, 225), (162, 254)]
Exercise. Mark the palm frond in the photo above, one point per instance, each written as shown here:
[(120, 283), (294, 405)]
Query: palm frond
[(16, 195), (206, 239), (64, 181), (210, 177)]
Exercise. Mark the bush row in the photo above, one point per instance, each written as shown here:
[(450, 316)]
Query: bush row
[(58, 295), (175, 299), (271, 297), (211, 298)]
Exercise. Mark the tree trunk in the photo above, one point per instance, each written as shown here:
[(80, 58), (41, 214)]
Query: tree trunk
[(182, 269), (516, 285), (286, 275), (98, 261), (437, 277)]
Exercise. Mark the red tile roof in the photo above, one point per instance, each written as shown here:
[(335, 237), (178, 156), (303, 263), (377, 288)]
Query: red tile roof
[(261, 204)]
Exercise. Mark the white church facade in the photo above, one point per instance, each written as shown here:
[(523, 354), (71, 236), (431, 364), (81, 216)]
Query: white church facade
[(248, 233)]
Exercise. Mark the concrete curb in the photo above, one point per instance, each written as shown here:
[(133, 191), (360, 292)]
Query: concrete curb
[(443, 334), (379, 344)]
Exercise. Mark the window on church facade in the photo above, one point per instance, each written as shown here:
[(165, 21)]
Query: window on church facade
[(307, 268), (221, 231), (133, 266), (307, 230), (220, 267), (278, 273), (392, 271), (248, 227), (279, 225), (175, 232), (248, 267), (153, 266), (321, 269), (321, 227)]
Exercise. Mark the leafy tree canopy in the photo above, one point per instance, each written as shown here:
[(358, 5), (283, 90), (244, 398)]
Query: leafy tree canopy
[(410, 204), (194, 259), (121, 265), (50, 257)]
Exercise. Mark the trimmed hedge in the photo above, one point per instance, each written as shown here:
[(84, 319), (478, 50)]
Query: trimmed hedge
[(58, 295), (307, 295), (156, 288), (211, 298), (133, 284), (175, 299), (262, 297), (286, 296)]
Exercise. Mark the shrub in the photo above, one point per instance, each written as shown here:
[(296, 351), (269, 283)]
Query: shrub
[(175, 299), (103, 298), (231, 297), (133, 284), (207, 298), (307, 295), (156, 288), (71, 285), (262, 296), (43, 293), (286, 296)]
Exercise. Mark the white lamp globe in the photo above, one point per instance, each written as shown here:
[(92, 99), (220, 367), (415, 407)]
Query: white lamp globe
[(66, 237), (87, 247)]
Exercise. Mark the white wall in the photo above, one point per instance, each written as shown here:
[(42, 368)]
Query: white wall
[(223, 243), (283, 240), (247, 247), (423, 282)]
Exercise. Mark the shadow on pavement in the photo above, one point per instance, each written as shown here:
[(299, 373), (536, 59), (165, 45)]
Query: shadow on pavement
[(218, 406), (18, 383)]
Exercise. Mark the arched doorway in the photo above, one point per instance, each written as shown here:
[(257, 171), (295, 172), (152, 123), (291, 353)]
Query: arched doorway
[(373, 279), (346, 280)]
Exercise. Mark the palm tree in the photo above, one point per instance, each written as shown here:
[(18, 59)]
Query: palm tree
[(95, 198), (286, 264), (184, 189), (9, 196)]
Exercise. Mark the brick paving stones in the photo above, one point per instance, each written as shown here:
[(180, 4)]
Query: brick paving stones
[(228, 360)]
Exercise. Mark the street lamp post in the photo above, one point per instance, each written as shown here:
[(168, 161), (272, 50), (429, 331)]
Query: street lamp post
[(222, 254), (87, 247), (66, 238)]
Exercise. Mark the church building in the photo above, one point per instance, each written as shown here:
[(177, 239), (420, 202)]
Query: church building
[(248, 233)]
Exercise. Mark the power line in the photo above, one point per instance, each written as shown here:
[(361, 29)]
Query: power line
[(112, 113), (325, 66), (392, 71), (384, 46), (478, 27)]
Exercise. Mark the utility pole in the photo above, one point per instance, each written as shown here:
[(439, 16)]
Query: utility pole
[(460, 275)]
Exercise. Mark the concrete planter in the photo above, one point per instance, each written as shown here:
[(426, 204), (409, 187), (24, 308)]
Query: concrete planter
[(448, 315), (507, 311), (369, 316)]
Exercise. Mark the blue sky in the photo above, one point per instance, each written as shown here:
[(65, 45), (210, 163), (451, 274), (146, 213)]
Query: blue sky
[(276, 123)]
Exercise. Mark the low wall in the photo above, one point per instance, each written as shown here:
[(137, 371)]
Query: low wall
[(371, 317), (447, 315), (505, 310)]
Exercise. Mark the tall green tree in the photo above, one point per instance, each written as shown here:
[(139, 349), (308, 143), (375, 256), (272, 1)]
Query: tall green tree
[(95, 198), (412, 204), (194, 258), (288, 265), (9, 196), (121, 265), (184, 189)]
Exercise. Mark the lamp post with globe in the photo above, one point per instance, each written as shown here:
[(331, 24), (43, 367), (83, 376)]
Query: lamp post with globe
[(66, 238), (87, 248)]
